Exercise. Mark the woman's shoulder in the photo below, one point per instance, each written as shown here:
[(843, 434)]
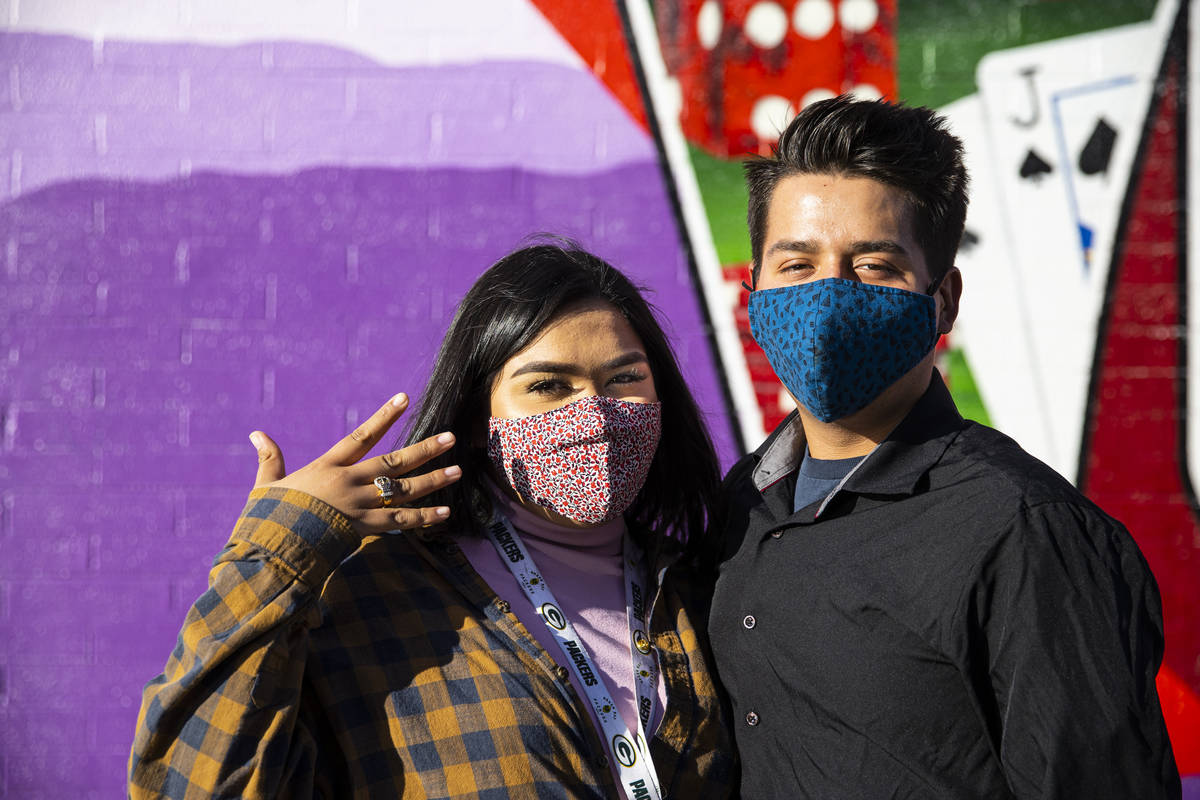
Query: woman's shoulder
[(397, 566)]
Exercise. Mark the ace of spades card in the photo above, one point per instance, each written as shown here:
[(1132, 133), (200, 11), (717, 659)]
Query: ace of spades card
[(1064, 119)]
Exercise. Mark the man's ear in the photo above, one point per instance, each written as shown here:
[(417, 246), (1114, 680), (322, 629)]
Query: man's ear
[(949, 291)]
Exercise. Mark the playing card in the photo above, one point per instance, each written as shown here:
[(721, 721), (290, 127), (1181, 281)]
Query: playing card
[(1063, 120), (993, 324)]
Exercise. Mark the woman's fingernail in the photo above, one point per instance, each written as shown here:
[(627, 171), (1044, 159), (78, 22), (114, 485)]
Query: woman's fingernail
[(445, 438), (399, 400), (442, 512), (256, 440), (452, 472)]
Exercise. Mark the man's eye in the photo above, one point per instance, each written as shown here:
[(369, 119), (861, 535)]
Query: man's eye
[(877, 267)]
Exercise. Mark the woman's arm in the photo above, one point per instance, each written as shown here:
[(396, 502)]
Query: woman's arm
[(224, 718)]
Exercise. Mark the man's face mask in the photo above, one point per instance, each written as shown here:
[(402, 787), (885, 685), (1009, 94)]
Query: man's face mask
[(586, 460), (837, 344)]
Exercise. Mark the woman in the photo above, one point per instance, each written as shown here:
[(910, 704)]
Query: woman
[(523, 647)]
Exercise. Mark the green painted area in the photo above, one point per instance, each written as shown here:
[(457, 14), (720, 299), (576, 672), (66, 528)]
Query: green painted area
[(724, 194), (962, 388), (940, 42)]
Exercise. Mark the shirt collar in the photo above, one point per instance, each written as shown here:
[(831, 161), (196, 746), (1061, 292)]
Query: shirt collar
[(893, 467), (781, 453), (909, 451)]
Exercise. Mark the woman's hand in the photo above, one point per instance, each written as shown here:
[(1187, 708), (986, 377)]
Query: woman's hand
[(339, 479)]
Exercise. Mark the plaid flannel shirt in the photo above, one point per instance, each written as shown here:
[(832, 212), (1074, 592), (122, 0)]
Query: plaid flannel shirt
[(321, 665)]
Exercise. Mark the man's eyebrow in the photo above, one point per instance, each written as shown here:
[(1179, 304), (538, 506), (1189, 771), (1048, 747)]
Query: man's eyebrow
[(793, 246), (564, 368), (878, 246), (856, 248)]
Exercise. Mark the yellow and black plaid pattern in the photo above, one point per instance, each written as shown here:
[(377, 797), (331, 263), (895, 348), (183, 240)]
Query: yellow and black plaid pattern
[(319, 665)]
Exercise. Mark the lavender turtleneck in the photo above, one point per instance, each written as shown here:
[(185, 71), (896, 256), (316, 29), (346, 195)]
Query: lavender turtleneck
[(583, 568)]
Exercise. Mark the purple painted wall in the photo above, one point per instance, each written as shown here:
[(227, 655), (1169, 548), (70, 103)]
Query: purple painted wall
[(198, 243)]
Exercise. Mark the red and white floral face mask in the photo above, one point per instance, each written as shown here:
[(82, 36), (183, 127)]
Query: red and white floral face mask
[(586, 461)]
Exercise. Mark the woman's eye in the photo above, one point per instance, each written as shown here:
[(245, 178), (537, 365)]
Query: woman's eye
[(628, 377), (550, 386)]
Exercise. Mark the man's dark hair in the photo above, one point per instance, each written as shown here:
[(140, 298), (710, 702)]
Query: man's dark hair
[(906, 147), (503, 313)]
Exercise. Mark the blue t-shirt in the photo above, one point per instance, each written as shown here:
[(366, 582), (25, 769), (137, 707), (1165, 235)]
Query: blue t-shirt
[(818, 477)]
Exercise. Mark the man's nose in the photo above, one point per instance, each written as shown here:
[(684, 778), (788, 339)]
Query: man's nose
[(838, 268)]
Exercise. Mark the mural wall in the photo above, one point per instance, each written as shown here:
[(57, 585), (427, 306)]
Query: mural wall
[(217, 217)]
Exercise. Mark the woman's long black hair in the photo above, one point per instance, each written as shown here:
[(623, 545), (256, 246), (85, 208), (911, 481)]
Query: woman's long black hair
[(502, 314)]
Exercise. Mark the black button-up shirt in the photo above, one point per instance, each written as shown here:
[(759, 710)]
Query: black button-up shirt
[(954, 620)]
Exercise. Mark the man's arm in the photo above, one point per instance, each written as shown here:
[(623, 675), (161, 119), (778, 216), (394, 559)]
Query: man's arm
[(1068, 624)]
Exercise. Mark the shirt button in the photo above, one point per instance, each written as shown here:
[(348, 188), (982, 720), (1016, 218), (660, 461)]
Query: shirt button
[(749, 621), (503, 606), (561, 673), (776, 534), (751, 718)]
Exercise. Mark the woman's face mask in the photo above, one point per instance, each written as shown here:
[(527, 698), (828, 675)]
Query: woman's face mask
[(575, 419), (586, 461)]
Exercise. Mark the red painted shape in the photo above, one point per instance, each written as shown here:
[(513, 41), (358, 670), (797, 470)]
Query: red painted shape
[(723, 79), (1133, 467), (593, 28), (1181, 707), (767, 390)]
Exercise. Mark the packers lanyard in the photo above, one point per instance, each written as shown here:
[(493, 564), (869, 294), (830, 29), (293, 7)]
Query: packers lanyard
[(630, 752)]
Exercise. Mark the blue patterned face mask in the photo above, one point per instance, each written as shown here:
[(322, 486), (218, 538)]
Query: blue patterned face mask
[(836, 344)]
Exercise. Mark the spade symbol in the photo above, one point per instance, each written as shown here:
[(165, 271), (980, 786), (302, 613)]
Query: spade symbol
[(1034, 167), (1095, 155)]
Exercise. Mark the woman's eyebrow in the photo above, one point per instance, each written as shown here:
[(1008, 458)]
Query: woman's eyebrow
[(632, 357), (564, 368)]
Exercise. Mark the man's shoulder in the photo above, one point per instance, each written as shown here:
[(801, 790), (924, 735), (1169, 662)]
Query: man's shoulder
[(1014, 477)]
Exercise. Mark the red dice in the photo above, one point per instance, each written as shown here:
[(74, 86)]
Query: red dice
[(745, 67)]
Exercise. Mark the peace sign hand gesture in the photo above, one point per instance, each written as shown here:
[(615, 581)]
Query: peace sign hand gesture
[(338, 477)]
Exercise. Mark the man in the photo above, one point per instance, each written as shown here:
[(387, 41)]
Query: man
[(909, 605)]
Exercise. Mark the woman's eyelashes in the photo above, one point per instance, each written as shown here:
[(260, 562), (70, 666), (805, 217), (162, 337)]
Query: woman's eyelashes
[(561, 387), (629, 376), (551, 387)]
